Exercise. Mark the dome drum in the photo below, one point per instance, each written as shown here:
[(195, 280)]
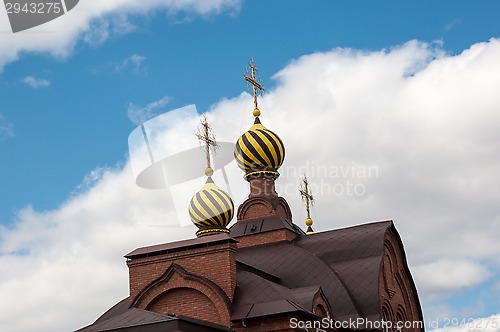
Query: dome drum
[(209, 230)]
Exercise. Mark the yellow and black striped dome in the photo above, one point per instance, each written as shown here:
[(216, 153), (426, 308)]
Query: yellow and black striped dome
[(211, 209), (259, 150)]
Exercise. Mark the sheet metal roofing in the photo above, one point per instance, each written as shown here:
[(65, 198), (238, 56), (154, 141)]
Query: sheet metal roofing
[(283, 277), (180, 246), (124, 319), (129, 318), (345, 263)]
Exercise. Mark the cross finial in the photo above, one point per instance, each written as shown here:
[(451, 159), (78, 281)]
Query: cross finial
[(308, 199), (206, 137), (255, 83)]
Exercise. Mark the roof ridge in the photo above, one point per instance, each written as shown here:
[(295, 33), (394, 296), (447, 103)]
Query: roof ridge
[(352, 226), (152, 313), (252, 269)]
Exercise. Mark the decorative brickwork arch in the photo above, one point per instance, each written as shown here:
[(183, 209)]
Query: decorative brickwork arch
[(182, 288), (386, 318), (257, 207), (254, 207), (387, 308), (187, 302), (283, 209), (398, 295), (400, 321)]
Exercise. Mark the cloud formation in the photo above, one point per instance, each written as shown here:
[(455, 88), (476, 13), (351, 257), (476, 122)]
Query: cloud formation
[(135, 63), (36, 83), (93, 21), (435, 276), (426, 120), (140, 114), (6, 128)]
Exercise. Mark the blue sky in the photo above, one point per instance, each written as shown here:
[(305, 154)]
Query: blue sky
[(67, 89), (80, 121)]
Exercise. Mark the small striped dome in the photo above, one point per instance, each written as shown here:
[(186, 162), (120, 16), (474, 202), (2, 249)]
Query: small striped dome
[(211, 209), (259, 150)]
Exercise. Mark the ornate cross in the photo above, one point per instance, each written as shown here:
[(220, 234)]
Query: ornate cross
[(307, 197), (206, 137), (256, 84)]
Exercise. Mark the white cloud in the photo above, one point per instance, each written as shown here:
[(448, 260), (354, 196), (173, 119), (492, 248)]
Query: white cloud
[(453, 24), (425, 119), (486, 324), (36, 83), (135, 62), (93, 21), (140, 114), (6, 128), (56, 259), (434, 277)]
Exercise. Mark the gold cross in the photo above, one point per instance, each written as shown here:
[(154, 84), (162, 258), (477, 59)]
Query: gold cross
[(307, 197), (256, 84), (206, 137)]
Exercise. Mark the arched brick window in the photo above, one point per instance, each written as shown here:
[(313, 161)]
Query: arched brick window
[(400, 322), (320, 311), (401, 319), (386, 320)]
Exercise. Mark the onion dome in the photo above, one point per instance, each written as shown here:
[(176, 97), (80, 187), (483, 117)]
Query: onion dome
[(211, 209), (259, 150)]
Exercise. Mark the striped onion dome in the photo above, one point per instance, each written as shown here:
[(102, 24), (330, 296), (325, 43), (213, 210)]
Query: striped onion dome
[(259, 150), (211, 209)]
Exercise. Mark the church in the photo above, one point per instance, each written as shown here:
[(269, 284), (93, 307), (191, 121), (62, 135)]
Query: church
[(264, 273)]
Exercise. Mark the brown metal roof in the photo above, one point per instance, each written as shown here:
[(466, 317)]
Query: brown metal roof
[(255, 293), (298, 268), (115, 310), (129, 318), (345, 263), (355, 254), (349, 243), (138, 320), (283, 277), (160, 249), (266, 309)]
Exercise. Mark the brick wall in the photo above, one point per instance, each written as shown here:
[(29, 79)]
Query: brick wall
[(266, 237), (216, 263), (203, 275)]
